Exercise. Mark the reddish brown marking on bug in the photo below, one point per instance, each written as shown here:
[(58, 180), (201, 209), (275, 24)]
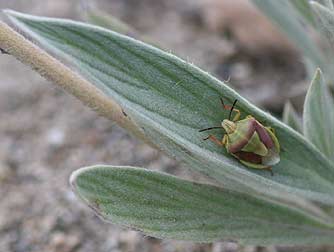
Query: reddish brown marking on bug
[(249, 157), (253, 127), (263, 134)]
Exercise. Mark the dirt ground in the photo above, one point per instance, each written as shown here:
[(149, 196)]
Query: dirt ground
[(46, 134)]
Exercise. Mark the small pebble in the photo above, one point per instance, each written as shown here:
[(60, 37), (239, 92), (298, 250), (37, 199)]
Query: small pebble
[(55, 137), (61, 242)]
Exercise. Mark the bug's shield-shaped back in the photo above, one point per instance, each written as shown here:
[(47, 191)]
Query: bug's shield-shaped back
[(272, 157), (253, 144)]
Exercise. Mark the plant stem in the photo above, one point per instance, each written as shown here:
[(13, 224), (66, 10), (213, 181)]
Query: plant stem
[(13, 43)]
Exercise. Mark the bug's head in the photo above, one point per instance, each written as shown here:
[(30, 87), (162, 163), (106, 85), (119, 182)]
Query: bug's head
[(228, 126)]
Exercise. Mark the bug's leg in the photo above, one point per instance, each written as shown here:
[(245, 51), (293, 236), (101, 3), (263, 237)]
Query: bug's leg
[(224, 141), (228, 107), (237, 115), (269, 169), (223, 104), (225, 107), (213, 139)]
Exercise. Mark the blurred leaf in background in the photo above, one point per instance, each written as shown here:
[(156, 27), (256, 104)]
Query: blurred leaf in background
[(291, 118), (319, 116)]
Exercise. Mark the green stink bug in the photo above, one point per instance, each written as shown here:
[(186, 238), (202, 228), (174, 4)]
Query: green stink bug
[(253, 144)]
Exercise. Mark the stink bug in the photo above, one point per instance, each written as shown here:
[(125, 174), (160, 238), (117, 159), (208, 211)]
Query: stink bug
[(253, 144)]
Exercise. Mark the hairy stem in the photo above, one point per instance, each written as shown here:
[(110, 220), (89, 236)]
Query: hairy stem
[(53, 70)]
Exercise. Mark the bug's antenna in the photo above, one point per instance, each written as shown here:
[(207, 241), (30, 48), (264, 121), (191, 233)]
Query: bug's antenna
[(229, 117), (221, 100), (219, 127)]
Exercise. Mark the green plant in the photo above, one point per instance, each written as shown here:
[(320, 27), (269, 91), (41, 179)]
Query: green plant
[(165, 101), (296, 19)]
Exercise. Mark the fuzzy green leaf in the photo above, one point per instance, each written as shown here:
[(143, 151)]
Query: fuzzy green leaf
[(171, 100), (292, 23), (167, 207), (291, 118), (319, 116)]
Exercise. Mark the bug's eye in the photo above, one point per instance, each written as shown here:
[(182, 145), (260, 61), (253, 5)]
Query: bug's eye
[(272, 130)]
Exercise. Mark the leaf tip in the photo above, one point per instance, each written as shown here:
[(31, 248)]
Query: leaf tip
[(18, 18), (73, 179), (317, 77), (93, 202), (318, 71), (76, 174), (11, 13), (15, 17)]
